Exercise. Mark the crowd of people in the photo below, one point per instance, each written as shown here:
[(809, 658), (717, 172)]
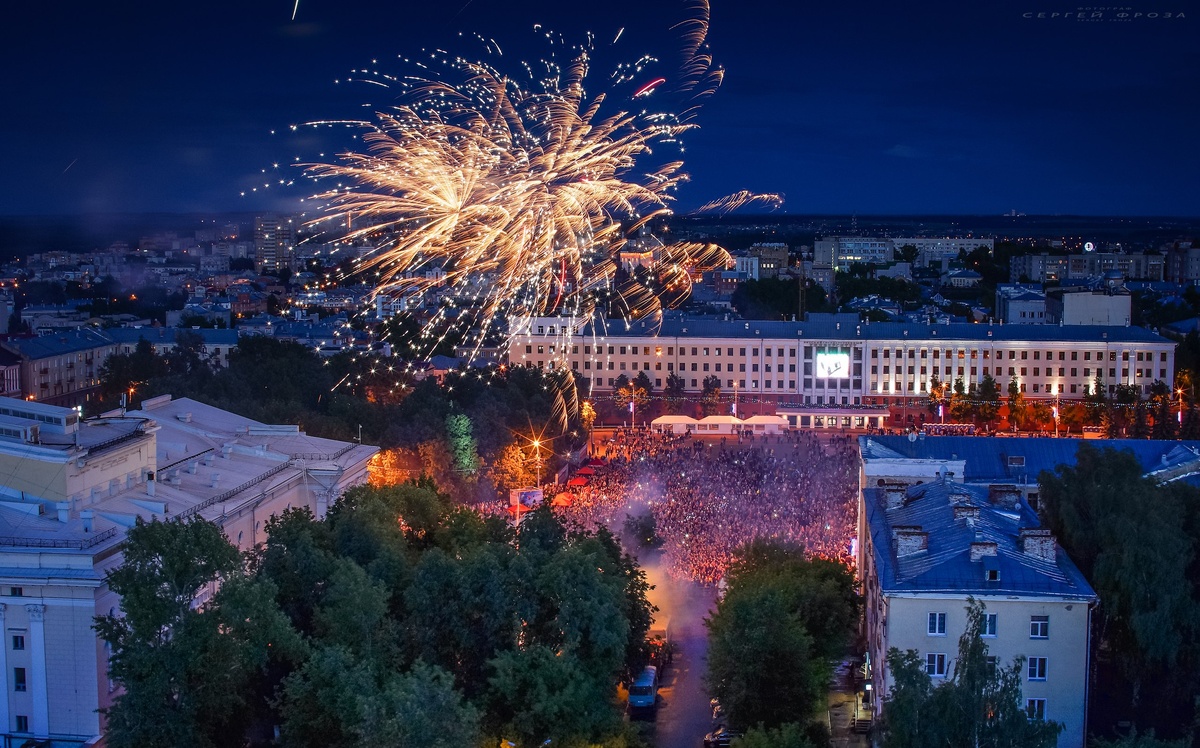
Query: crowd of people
[(710, 496)]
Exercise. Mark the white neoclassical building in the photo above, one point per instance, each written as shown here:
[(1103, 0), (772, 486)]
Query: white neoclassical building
[(881, 371)]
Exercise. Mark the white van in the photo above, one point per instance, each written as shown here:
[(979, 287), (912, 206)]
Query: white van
[(643, 694)]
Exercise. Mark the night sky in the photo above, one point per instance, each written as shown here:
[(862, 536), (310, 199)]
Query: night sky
[(871, 108)]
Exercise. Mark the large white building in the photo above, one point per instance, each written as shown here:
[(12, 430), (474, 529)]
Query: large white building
[(70, 489), (837, 362)]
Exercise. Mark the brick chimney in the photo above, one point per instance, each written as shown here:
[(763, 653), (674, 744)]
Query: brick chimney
[(967, 512), (982, 548), (1039, 543), (894, 496), (1005, 495), (909, 539)]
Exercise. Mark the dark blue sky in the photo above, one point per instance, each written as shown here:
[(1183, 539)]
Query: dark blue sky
[(844, 107)]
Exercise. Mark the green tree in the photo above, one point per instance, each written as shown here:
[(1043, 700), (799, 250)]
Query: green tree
[(961, 405), (1141, 422), (1131, 538), (463, 452), (187, 356), (513, 468), (710, 396), (674, 393), (986, 401), (1016, 405), (320, 702), (783, 617), (1166, 425), (185, 672), (121, 372), (1191, 423), (761, 663), (538, 694), (979, 705), (767, 298), (418, 709), (788, 735)]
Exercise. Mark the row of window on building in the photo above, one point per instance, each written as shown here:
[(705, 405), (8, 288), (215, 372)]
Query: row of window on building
[(1039, 626)]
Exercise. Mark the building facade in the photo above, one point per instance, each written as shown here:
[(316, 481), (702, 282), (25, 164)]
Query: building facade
[(71, 489), (274, 244), (63, 368), (835, 360), (929, 544), (933, 251), (1018, 304)]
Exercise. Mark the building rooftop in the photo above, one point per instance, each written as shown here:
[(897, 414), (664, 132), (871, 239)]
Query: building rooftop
[(167, 335), (209, 463), (1005, 460), (59, 343), (959, 535), (847, 327)]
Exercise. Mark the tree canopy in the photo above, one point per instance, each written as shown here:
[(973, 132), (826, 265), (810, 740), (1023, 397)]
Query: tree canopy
[(1136, 542), (400, 619), (782, 618)]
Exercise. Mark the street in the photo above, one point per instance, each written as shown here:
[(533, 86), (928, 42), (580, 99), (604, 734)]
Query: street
[(684, 715)]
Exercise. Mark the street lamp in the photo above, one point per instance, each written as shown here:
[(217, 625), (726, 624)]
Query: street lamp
[(537, 446)]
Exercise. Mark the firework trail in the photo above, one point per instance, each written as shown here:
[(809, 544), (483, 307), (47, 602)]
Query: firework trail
[(740, 200)]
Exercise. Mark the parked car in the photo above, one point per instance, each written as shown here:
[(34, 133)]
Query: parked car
[(643, 693), (722, 737)]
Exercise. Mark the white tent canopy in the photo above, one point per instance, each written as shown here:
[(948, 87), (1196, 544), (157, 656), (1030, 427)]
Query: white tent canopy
[(766, 424), (719, 425), (674, 424)]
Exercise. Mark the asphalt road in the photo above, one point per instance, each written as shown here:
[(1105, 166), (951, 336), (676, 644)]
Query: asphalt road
[(684, 715)]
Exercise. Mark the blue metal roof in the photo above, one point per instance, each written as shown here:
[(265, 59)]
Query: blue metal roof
[(946, 565), (131, 335), (989, 459), (841, 328), (59, 343)]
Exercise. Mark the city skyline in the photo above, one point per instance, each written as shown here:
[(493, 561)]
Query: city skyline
[(871, 109)]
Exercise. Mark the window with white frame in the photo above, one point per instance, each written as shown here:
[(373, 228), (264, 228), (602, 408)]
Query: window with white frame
[(937, 624), (989, 624), (1037, 668), (1039, 627), (935, 664), (1035, 708)]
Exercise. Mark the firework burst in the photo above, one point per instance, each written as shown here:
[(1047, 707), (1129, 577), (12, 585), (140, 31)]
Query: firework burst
[(515, 196)]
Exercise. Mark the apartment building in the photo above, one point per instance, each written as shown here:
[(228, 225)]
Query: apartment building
[(63, 368), (927, 548)]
